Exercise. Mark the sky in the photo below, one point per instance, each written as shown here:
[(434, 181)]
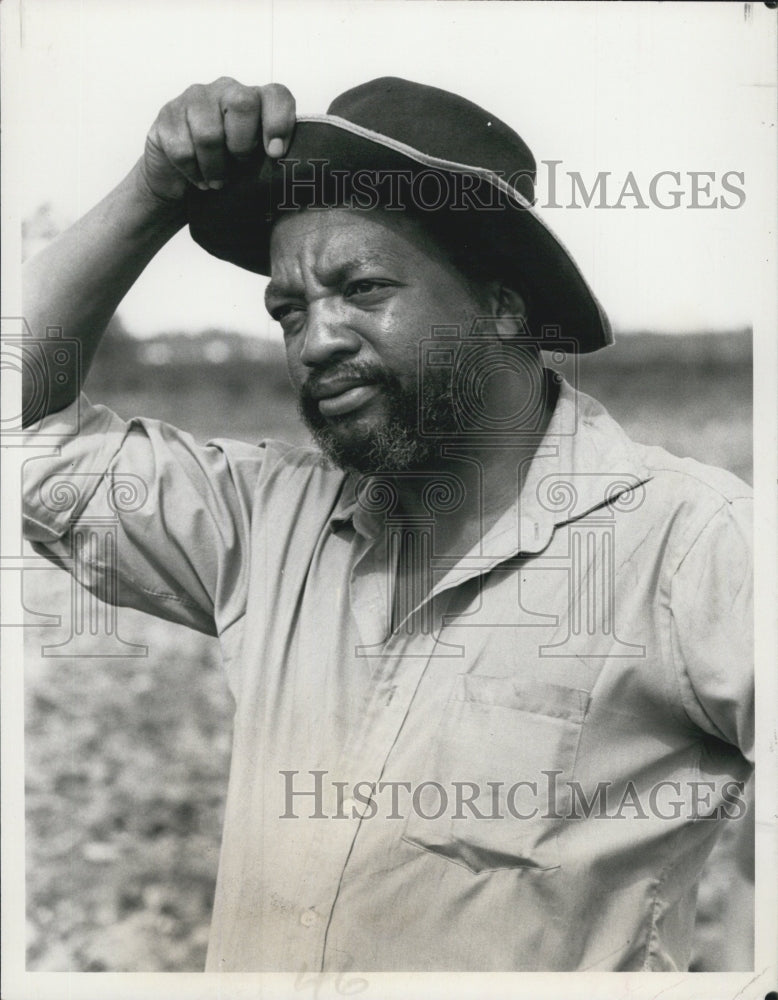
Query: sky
[(629, 89)]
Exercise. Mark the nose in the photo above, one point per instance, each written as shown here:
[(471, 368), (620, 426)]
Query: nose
[(327, 334)]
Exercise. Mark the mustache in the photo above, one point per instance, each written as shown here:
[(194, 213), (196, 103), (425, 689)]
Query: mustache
[(362, 370)]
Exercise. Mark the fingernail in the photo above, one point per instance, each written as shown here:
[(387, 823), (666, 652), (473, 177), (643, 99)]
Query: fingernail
[(216, 185), (275, 147)]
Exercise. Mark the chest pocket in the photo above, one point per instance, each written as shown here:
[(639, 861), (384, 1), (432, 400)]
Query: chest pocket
[(503, 753)]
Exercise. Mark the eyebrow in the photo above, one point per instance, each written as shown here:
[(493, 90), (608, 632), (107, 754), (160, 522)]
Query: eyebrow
[(277, 289)]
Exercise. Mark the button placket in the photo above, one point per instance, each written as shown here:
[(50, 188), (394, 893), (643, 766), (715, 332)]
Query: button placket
[(332, 841), (371, 583), (396, 681)]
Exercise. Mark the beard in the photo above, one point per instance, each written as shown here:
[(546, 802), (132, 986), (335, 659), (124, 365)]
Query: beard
[(405, 437)]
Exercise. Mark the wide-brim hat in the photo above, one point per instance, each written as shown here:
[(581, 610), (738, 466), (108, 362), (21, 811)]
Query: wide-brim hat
[(409, 146)]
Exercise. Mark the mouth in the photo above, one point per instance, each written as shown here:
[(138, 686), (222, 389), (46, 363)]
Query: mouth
[(336, 400)]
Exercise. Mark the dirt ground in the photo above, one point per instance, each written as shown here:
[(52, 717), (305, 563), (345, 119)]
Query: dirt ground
[(127, 756)]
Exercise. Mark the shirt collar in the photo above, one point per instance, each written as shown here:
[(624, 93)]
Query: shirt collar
[(583, 461)]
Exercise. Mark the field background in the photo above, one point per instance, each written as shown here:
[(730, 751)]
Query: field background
[(127, 757)]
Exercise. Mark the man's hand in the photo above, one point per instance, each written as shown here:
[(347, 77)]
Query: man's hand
[(80, 278), (195, 134)]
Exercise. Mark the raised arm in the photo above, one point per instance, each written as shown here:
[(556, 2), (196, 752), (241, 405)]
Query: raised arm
[(78, 281)]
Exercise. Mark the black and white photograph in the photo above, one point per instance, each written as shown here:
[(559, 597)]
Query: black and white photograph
[(389, 499)]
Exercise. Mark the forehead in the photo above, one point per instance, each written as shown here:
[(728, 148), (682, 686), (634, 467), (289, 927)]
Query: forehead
[(325, 237)]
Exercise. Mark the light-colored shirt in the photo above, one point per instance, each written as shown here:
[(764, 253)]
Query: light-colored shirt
[(517, 777)]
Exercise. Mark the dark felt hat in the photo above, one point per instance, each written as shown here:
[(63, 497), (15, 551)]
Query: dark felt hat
[(408, 146)]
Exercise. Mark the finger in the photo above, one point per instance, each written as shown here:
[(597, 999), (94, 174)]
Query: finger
[(206, 131), (278, 118), (171, 137), (241, 109)]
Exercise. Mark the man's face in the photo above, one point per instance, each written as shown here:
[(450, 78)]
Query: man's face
[(355, 292)]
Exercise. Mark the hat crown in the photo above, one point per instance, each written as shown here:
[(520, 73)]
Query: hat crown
[(440, 124), (391, 128)]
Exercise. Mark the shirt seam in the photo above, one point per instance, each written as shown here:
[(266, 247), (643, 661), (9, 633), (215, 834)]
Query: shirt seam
[(652, 946), (136, 585), (726, 497), (680, 673), (43, 525)]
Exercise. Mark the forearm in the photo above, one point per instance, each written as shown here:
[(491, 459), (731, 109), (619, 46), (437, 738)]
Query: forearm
[(78, 281)]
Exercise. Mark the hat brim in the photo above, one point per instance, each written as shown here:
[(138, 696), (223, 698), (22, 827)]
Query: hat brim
[(235, 222)]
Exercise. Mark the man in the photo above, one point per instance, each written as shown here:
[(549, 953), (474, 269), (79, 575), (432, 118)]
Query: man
[(490, 657)]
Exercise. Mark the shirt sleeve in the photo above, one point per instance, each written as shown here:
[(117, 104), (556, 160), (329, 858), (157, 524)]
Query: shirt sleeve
[(713, 626), (142, 515)]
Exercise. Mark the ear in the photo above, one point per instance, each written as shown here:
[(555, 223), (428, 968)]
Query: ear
[(510, 313)]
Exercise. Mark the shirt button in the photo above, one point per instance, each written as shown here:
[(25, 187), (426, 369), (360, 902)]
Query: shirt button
[(308, 918)]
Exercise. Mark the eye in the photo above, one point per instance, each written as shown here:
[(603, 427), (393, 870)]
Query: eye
[(363, 286), (280, 313)]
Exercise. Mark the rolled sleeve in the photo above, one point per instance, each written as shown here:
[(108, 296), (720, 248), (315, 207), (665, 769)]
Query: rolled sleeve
[(179, 513), (86, 438), (713, 626)]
